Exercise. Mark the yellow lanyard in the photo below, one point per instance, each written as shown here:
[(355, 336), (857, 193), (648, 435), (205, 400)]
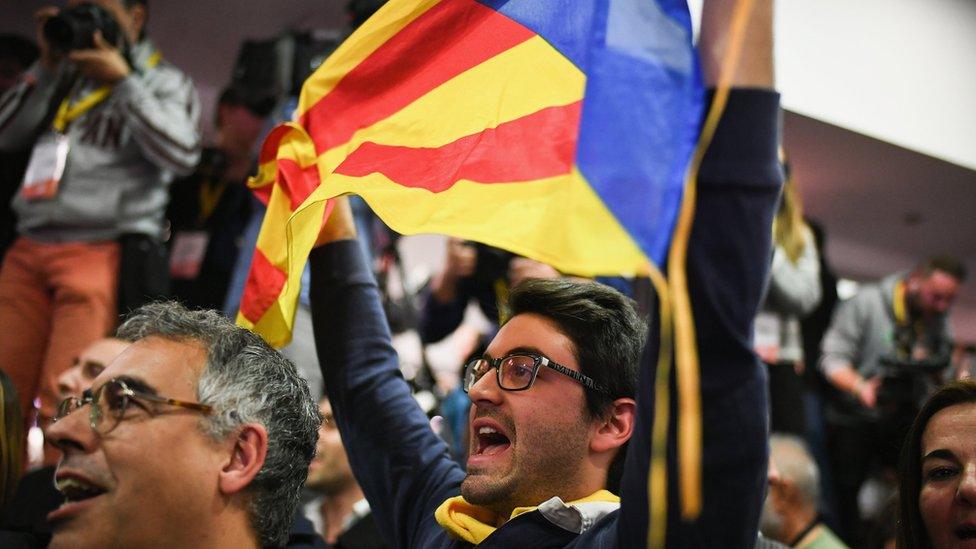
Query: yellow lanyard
[(898, 304), (68, 113), (501, 300), (209, 197)]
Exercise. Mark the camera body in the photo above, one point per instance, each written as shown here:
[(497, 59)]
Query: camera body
[(213, 163), (906, 383), (74, 28)]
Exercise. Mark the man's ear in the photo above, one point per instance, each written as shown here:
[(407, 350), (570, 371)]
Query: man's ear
[(246, 458), (615, 428)]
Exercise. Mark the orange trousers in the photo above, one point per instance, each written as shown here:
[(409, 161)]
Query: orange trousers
[(55, 299)]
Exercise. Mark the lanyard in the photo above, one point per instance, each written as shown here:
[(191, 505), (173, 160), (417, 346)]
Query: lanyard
[(210, 194), (68, 113), (898, 304)]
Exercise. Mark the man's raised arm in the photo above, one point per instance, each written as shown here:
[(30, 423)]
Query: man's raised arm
[(728, 259), (403, 467)]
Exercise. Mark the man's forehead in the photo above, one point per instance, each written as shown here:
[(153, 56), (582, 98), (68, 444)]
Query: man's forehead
[(530, 332), (172, 367), (942, 279)]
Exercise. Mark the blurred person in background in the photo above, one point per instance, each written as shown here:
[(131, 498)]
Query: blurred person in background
[(340, 511), (813, 327), (108, 121), (26, 512), (791, 511), (937, 487), (17, 54), (209, 210), (794, 291), (887, 348)]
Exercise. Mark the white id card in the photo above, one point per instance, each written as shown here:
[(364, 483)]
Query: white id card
[(186, 256), (46, 166)]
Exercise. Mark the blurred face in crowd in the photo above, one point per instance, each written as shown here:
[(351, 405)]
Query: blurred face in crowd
[(934, 294), (127, 482), (527, 446), (91, 362), (947, 499), (239, 129), (131, 20), (329, 473)]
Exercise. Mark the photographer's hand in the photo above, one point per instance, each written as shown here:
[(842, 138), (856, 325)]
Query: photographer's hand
[(460, 262), (50, 59), (866, 391), (103, 63)]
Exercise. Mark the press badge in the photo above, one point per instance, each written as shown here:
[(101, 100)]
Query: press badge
[(46, 166), (186, 256)]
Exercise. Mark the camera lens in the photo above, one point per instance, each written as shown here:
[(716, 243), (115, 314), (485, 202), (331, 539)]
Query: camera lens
[(60, 32)]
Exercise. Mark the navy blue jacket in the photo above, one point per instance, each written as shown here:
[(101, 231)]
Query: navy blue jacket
[(406, 470)]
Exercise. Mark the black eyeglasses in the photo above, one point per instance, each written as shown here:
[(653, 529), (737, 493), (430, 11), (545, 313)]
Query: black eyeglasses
[(112, 399), (518, 372)]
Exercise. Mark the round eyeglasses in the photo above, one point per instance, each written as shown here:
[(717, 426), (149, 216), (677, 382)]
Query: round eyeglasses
[(518, 372), (110, 401)]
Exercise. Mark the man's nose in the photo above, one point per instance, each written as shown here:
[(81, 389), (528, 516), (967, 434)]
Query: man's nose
[(72, 433), (486, 388)]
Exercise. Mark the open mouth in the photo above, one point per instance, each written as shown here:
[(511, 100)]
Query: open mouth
[(966, 532), (491, 442), (75, 489)]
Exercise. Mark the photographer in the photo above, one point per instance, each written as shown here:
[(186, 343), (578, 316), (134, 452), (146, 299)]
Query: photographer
[(885, 347), (109, 123)]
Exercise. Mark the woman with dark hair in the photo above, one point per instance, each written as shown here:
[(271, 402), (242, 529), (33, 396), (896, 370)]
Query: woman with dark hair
[(937, 490)]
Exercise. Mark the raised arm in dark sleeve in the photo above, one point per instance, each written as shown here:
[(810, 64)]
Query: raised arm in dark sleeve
[(404, 468)]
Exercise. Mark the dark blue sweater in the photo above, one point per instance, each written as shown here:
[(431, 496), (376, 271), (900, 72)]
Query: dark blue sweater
[(406, 470)]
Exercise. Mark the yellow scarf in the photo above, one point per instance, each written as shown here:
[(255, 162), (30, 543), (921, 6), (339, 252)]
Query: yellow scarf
[(473, 524)]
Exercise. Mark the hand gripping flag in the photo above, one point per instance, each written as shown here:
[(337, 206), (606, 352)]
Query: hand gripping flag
[(557, 129)]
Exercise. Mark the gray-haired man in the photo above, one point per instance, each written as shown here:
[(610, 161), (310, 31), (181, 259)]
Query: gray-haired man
[(198, 434)]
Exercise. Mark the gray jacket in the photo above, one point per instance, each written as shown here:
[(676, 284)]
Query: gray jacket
[(863, 331), (794, 291), (123, 152)]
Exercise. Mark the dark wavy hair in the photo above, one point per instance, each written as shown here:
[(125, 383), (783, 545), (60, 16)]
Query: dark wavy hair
[(911, 529)]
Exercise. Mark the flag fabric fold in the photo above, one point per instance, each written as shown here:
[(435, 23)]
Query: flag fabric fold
[(559, 130)]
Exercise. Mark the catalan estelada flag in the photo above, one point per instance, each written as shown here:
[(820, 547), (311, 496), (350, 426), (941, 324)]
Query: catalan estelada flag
[(561, 130), (556, 129)]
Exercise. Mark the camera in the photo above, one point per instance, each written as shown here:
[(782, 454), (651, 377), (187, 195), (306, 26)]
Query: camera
[(908, 382), (213, 163), (74, 28)]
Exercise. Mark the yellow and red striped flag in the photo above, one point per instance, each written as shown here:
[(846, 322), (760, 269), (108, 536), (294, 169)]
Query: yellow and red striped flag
[(560, 133)]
